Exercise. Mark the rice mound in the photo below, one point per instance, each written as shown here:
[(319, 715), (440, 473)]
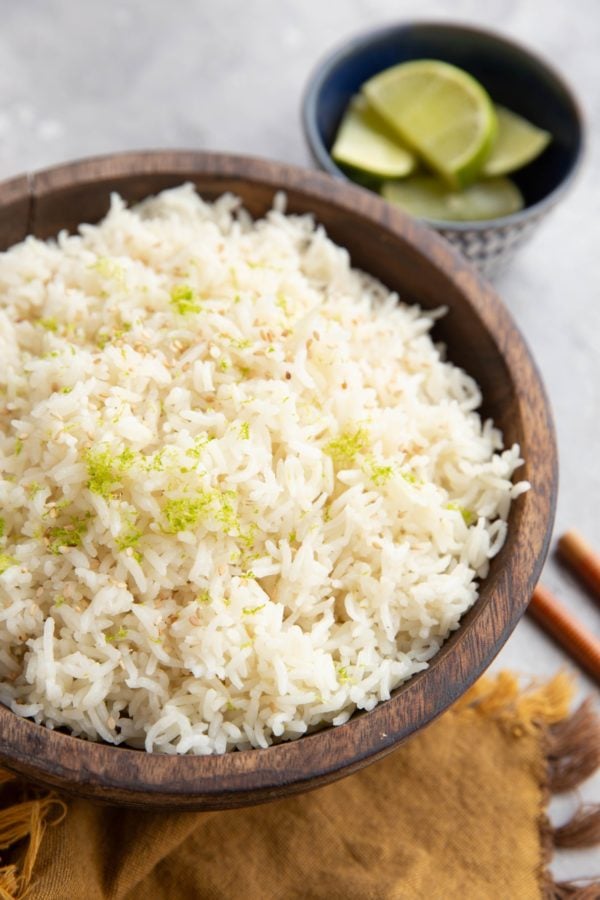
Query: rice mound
[(241, 491)]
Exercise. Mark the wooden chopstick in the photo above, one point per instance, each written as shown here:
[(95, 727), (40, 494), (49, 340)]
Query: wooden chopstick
[(561, 624), (579, 556)]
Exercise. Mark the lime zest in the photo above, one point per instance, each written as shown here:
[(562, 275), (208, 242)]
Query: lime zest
[(378, 473), (50, 324), (105, 468), (347, 445), (186, 512), (6, 562), (410, 478), (129, 539), (342, 674), (108, 268), (69, 535), (251, 610), (184, 300), (199, 444), (468, 515)]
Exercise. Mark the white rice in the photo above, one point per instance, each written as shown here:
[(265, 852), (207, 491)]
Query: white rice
[(242, 493)]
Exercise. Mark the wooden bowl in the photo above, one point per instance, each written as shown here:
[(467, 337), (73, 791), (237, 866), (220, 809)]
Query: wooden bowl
[(480, 336)]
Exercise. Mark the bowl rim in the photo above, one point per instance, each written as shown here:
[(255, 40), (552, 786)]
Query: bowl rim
[(347, 49), (129, 777)]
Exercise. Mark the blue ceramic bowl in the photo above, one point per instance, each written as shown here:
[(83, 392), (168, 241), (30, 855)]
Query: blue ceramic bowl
[(513, 76)]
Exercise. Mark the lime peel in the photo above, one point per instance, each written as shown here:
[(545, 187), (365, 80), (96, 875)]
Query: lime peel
[(439, 111)]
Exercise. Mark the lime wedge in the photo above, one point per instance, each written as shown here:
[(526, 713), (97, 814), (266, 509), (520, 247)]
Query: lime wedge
[(426, 197), (518, 143), (440, 112), (364, 142)]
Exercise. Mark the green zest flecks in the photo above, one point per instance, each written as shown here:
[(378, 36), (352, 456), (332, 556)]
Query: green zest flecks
[(342, 675), (6, 562), (186, 512), (346, 447), (106, 337), (241, 343), (410, 478), (203, 598), (128, 539), (251, 610), (49, 324), (467, 514), (2, 527), (119, 635), (199, 444), (379, 474), (69, 535), (281, 302), (248, 537), (105, 468), (126, 458), (101, 473), (18, 446), (184, 300), (108, 268), (245, 430), (225, 512)]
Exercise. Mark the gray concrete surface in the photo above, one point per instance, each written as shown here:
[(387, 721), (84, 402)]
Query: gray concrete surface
[(81, 78)]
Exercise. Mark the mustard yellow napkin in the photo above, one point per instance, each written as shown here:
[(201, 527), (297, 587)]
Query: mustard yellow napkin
[(456, 812)]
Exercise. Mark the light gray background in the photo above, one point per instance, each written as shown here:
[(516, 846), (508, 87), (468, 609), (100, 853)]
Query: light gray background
[(82, 78)]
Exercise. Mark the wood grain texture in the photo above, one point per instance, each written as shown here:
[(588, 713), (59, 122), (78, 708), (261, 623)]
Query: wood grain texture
[(480, 336)]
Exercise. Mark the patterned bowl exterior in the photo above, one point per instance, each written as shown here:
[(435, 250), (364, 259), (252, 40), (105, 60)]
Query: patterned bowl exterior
[(490, 248)]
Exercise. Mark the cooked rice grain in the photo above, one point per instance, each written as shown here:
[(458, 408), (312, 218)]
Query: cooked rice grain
[(242, 494)]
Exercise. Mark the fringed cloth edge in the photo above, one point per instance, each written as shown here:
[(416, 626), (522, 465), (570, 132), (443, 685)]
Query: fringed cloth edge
[(571, 747), (24, 820)]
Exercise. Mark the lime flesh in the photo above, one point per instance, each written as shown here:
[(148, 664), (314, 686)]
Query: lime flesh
[(427, 197), (364, 142), (518, 142), (440, 112)]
